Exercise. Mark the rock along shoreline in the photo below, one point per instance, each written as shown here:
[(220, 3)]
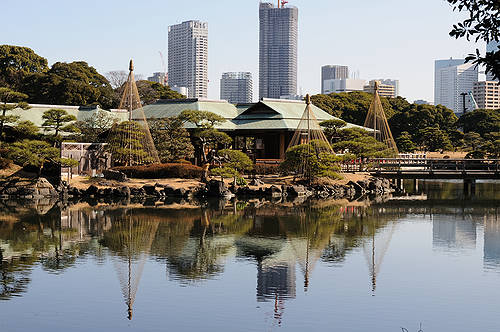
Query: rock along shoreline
[(42, 189)]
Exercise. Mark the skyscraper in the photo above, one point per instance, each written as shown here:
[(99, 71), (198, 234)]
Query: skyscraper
[(492, 46), (452, 78), (188, 57), (334, 72), (278, 50), (236, 87)]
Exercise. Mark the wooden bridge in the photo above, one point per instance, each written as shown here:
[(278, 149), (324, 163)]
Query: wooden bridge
[(463, 169)]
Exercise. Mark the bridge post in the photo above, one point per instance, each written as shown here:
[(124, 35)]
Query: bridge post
[(469, 187), (399, 184)]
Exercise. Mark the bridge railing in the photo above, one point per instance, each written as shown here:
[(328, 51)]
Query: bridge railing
[(378, 164)]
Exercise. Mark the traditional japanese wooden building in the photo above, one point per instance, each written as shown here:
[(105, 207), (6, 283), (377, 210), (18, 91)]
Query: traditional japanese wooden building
[(263, 129)]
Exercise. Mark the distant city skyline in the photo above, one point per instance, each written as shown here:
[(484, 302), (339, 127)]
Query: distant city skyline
[(95, 37)]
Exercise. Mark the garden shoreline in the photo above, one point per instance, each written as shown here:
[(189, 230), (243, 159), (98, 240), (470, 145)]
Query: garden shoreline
[(265, 187)]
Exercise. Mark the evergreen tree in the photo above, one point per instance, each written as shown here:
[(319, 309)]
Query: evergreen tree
[(171, 140), (405, 142), (10, 100)]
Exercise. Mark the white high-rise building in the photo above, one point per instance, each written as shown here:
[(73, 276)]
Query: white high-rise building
[(236, 88), (332, 72), (342, 85), (278, 50), (453, 78), (492, 46), (188, 57)]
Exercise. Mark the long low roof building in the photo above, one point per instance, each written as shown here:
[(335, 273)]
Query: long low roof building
[(268, 125)]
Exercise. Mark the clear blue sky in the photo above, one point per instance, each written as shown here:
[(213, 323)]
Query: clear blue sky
[(382, 39)]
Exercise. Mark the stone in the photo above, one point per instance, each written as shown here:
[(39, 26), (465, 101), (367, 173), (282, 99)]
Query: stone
[(357, 187), (122, 192), (91, 191), (273, 191), (256, 182), (181, 192), (150, 190), (168, 190), (296, 190), (110, 174), (216, 188)]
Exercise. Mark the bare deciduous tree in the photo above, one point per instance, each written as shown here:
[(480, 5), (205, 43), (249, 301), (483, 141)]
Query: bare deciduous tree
[(117, 78)]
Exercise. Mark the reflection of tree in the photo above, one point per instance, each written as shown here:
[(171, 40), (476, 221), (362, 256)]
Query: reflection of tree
[(210, 239), (15, 276)]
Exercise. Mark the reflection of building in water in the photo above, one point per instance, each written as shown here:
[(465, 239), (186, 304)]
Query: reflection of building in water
[(448, 232), (491, 242), (276, 280), (86, 222)]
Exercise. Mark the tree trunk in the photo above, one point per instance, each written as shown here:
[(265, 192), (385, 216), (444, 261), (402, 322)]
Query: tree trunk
[(2, 122)]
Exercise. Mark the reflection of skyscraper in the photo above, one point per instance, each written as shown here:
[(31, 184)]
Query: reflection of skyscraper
[(277, 280), (453, 234), (492, 242)]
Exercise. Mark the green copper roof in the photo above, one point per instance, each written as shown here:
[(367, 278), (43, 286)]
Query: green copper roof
[(35, 113), (267, 114), (171, 108)]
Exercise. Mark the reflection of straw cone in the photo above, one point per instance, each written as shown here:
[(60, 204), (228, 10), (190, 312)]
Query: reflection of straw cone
[(130, 312), (205, 221)]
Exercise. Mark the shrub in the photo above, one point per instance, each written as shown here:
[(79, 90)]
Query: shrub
[(264, 169), (162, 171)]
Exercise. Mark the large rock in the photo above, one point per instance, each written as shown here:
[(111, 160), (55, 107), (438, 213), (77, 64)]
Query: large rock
[(110, 174), (216, 188), (296, 190), (273, 191), (121, 192), (357, 187), (150, 190), (91, 191)]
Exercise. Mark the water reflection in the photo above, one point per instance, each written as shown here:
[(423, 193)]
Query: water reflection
[(453, 233), (492, 242), (284, 245)]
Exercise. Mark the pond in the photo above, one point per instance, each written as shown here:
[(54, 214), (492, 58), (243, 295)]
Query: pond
[(430, 258)]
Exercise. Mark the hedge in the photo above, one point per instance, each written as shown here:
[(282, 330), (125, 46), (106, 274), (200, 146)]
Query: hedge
[(263, 169), (162, 171)]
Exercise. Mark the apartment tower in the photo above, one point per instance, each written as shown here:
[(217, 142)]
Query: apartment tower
[(236, 88), (278, 50), (188, 57)]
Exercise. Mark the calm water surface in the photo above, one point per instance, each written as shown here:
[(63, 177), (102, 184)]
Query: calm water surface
[(432, 257)]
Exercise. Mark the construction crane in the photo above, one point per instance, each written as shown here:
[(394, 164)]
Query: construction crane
[(470, 102), (283, 3), (473, 101), (164, 67)]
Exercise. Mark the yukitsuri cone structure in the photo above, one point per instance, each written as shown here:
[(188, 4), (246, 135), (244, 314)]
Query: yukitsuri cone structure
[(377, 120), (310, 132), (131, 141)]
